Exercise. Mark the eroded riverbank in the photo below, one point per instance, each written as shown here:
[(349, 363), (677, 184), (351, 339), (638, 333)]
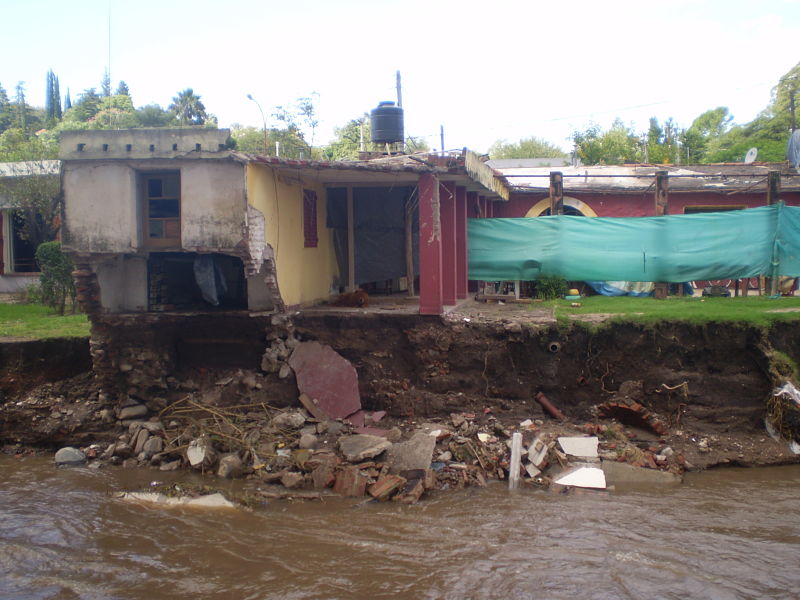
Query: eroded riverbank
[(706, 385)]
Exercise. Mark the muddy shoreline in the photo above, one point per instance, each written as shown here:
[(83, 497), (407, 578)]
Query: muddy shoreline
[(707, 384)]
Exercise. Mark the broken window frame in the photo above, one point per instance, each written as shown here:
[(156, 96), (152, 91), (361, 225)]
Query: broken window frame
[(170, 225), (310, 237)]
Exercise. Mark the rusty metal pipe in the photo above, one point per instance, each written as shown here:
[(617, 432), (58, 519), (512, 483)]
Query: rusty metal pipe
[(549, 406)]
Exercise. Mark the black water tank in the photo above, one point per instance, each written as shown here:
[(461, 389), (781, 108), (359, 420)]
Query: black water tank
[(386, 123)]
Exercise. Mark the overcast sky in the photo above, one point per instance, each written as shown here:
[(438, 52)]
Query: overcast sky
[(483, 70)]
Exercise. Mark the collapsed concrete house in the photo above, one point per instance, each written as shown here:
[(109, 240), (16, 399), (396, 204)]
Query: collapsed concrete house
[(184, 248)]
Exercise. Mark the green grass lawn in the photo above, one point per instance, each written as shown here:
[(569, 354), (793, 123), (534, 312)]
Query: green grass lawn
[(38, 322), (756, 310)]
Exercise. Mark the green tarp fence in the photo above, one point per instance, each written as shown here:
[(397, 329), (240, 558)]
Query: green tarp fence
[(735, 244)]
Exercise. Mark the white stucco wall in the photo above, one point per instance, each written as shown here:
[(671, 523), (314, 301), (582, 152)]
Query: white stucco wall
[(213, 205), (100, 208)]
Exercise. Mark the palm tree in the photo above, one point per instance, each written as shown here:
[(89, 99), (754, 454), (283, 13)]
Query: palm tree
[(188, 108)]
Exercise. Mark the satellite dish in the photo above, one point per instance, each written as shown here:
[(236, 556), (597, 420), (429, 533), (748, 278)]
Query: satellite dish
[(751, 155)]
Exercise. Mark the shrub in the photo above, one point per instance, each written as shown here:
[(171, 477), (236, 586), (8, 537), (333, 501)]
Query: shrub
[(56, 278), (550, 287), (31, 294)]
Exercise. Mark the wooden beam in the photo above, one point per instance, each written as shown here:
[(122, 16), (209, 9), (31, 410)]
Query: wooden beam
[(556, 193), (662, 194)]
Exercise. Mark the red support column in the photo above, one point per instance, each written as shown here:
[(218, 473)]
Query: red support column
[(447, 204), (489, 208), (430, 247), (461, 243)]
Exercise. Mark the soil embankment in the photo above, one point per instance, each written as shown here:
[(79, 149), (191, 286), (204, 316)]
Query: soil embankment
[(707, 385)]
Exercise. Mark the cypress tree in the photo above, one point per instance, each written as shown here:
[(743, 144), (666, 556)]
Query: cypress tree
[(49, 110), (67, 102), (57, 99), (105, 84), (21, 108)]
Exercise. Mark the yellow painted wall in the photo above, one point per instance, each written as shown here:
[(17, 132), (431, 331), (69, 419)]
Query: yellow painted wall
[(305, 275)]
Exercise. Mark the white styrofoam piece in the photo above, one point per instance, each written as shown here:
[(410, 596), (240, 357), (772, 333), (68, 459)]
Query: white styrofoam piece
[(584, 477), (585, 447)]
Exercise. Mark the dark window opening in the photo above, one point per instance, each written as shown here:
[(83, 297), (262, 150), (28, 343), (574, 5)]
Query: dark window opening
[(190, 281), (22, 251), (310, 218), (128, 147), (568, 210)]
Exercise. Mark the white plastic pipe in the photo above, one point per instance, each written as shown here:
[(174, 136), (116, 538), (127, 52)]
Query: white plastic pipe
[(516, 457)]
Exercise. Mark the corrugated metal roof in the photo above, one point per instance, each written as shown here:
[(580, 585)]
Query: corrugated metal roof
[(727, 177), (28, 168)]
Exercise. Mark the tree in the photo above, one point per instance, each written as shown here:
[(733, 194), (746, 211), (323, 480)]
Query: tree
[(122, 89), (67, 102), (347, 141), (531, 147), (152, 115), (56, 276), (115, 112), (704, 131), (105, 84), (86, 107), (21, 108), (188, 108), (5, 110), (618, 145), (52, 101)]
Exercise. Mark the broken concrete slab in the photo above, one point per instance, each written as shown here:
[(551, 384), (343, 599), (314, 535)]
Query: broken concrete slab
[(617, 473), (583, 477), (583, 447), (359, 447), (327, 378), (537, 452), (416, 453)]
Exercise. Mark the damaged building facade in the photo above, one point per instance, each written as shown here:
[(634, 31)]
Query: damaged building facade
[(185, 249)]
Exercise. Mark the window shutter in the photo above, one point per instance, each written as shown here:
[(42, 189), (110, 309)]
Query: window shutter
[(310, 218)]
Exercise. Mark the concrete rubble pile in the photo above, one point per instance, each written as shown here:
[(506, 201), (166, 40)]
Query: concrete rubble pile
[(328, 444)]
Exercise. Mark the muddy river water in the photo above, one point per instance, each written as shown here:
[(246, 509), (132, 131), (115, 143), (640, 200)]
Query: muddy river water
[(723, 534)]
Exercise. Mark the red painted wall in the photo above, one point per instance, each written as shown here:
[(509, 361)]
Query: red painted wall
[(640, 205)]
